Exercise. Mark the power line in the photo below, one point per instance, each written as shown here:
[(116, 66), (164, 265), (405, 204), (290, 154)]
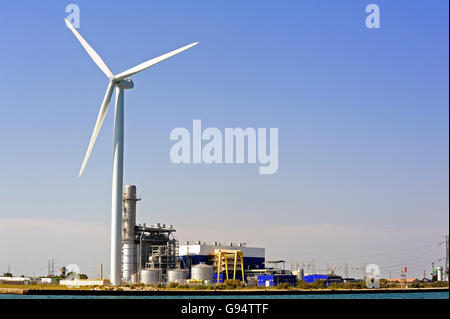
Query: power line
[(412, 261), (380, 254)]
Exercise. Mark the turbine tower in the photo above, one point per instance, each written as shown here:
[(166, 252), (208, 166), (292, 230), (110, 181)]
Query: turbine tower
[(121, 82)]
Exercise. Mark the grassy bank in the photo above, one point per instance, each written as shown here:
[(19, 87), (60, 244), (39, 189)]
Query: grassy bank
[(228, 287)]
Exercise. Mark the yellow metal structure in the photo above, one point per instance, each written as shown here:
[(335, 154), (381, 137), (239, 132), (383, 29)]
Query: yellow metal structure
[(221, 256)]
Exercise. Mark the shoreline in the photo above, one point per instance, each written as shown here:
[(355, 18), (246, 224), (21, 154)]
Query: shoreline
[(202, 292)]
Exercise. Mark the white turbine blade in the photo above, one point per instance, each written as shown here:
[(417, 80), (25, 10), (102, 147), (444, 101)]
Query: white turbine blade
[(98, 124), (97, 59), (149, 63)]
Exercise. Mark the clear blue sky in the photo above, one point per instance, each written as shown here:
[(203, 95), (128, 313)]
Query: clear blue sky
[(362, 117)]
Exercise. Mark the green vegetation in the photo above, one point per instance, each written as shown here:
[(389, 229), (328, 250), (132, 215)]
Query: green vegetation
[(422, 284), (318, 284), (228, 284), (173, 285), (234, 285), (183, 286), (38, 287), (349, 285), (418, 284), (284, 285), (231, 284)]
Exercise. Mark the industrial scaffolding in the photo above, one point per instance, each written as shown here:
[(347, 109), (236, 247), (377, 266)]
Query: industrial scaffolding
[(144, 246), (157, 249), (224, 258)]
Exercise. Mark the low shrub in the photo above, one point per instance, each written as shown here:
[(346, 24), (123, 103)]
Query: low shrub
[(283, 285), (173, 285)]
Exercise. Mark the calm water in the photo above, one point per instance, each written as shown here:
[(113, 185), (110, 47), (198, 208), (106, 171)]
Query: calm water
[(419, 295)]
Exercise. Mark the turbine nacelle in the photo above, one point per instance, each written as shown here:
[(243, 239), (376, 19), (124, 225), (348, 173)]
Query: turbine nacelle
[(125, 83)]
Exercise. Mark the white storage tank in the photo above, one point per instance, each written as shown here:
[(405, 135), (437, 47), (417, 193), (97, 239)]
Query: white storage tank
[(202, 272), (177, 275), (300, 274), (439, 273), (151, 276)]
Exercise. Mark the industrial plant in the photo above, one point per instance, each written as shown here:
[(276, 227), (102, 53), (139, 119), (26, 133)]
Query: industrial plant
[(151, 254)]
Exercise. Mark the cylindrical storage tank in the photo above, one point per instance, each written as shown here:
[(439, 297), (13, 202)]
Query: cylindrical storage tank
[(301, 274), (177, 275), (202, 272), (151, 276), (439, 273)]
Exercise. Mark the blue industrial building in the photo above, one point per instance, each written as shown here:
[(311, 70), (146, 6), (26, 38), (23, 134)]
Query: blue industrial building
[(275, 280), (223, 277), (328, 278)]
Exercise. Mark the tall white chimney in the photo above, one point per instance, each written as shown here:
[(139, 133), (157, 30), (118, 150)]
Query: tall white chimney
[(128, 233)]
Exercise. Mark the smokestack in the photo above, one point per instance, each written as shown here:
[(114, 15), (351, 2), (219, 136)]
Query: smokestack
[(128, 233)]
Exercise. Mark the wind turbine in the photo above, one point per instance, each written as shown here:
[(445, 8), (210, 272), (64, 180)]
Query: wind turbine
[(121, 82)]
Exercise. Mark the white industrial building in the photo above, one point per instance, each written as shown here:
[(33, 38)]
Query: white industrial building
[(84, 282), (192, 253)]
